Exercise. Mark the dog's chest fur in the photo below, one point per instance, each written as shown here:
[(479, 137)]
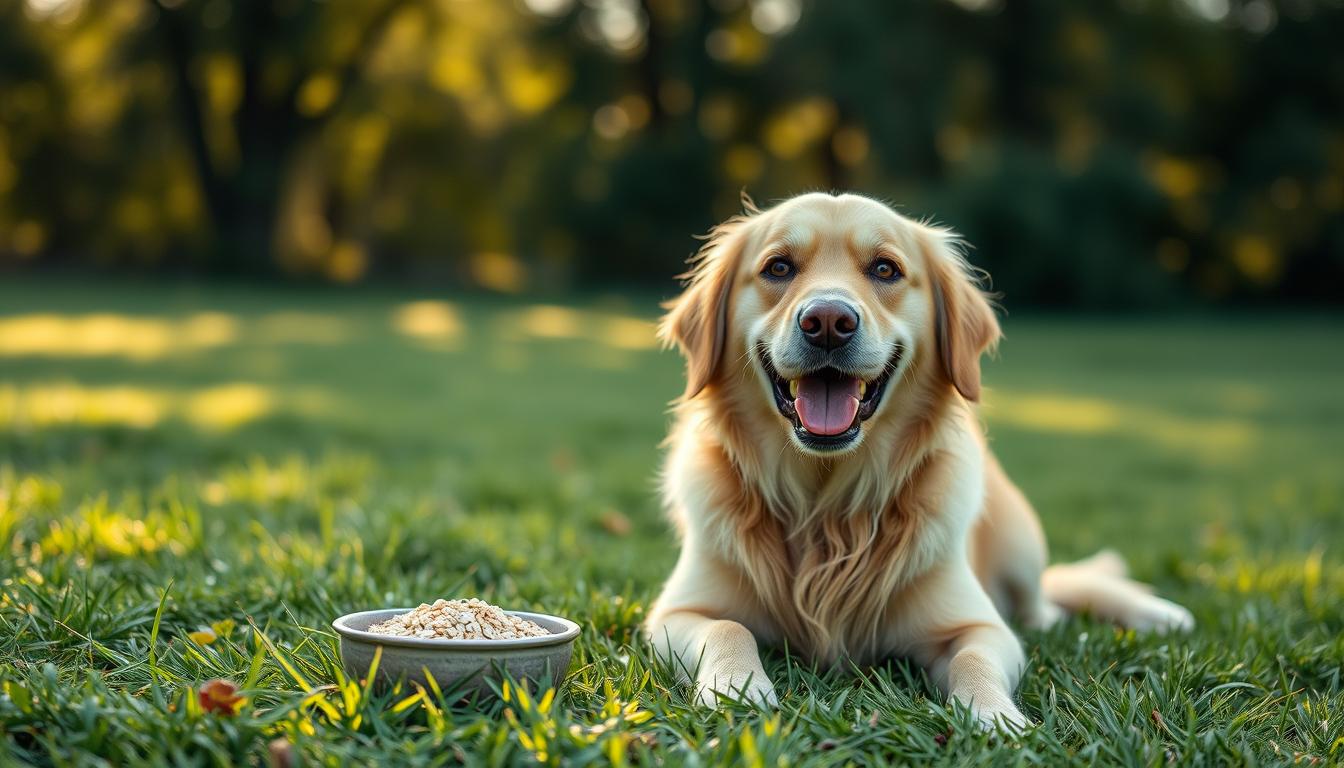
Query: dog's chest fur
[(829, 579)]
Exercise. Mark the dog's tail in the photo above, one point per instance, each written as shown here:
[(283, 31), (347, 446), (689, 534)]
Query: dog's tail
[(1100, 585)]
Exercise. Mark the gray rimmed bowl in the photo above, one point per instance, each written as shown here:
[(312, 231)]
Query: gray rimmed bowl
[(459, 667)]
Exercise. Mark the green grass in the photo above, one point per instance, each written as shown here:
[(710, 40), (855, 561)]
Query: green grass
[(289, 456)]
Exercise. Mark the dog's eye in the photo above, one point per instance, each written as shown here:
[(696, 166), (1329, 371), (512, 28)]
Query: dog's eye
[(778, 268), (885, 270)]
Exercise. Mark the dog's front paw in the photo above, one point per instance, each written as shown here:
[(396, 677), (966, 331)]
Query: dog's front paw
[(1005, 717), (993, 708), (751, 689)]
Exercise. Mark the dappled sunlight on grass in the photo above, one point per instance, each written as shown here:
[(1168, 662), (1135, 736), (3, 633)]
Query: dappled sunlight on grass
[(153, 338), (432, 321), (227, 406), (614, 330), (113, 335), (1067, 414), (629, 333), (548, 322), (220, 407), (608, 339), (66, 403)]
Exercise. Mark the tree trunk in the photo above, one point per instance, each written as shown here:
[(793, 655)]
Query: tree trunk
[(243, 201)]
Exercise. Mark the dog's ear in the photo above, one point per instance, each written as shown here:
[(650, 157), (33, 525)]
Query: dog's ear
[(964, 320), (697, 321)]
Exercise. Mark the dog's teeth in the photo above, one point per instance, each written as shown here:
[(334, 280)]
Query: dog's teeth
[(793, 388), (863, 389)]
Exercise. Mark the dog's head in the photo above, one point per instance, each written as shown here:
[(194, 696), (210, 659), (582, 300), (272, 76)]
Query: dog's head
[(834, 302)]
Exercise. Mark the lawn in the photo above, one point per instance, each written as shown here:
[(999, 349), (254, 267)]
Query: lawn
[(261, 460)]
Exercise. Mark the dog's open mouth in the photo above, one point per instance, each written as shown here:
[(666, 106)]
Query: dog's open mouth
[(828, 406)]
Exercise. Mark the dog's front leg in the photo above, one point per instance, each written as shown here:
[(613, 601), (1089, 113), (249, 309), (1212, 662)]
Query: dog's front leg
[(983, 665), (691, 629), (971, 654), (718, 654)]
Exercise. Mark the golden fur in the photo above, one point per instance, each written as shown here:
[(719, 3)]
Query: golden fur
[(913, 541)]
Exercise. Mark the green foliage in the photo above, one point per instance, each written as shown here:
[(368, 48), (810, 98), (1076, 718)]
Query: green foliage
[(408, 449), (1120, 153)]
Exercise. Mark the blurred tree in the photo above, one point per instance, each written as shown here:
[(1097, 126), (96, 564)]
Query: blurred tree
[(27, 138), (1119, 153), (253, 82)]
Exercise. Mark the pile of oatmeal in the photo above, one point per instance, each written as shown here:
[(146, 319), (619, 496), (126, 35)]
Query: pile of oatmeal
[(470, 619)]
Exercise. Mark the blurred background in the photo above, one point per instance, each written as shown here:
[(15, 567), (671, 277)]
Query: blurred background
[(1152, 153)]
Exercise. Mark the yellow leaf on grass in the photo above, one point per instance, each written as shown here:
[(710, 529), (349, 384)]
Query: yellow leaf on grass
[(203, 636)]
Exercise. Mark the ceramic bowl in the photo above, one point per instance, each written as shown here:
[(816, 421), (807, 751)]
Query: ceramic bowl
[(459, 667)]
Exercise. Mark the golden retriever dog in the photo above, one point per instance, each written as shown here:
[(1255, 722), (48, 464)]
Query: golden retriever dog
[(828, 474)]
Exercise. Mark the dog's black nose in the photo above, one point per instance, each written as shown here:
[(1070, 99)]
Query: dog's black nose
[(828, 323)]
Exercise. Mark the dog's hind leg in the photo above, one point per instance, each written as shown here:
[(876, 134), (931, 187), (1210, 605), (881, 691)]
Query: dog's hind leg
[(1106, 562), (1008, 552), (1099, 585)]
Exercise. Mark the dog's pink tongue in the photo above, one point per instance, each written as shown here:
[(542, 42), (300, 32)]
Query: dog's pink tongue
[(825, 405)]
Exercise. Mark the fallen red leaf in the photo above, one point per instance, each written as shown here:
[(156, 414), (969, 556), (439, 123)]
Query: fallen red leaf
[(220, 697)]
